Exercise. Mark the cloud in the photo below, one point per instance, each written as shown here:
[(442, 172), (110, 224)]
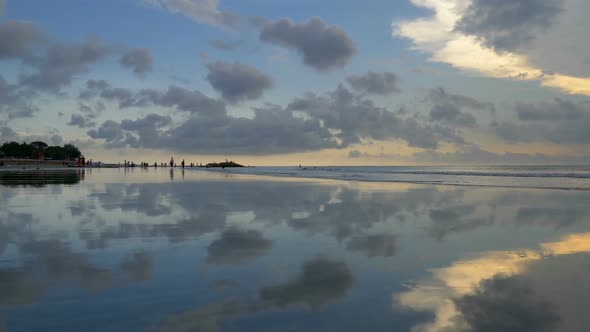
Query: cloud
[(357, 117), (556, 110), (506, 25), (376, 83), (322, 281), (52, 64), (440, 96), (139, 60), (9, 134), (547, 60), (238, 82), (2, 5), (451, 114), (451, 108), (78, 120), (322, 47), (378, 245), (474, 154), (222, 45), (15, 101), (60, 63), (237, 246), (313, 122), (110, 131), (18, 40), (356, 154), (142, 132), (559, 121), (193, 102), (200, 11)]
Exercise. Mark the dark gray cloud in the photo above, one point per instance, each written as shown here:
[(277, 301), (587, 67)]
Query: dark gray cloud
[(322, 281), (357, 117), (9, 134), (237, 81), (451, 114), (322, 47), (507, 25), (80, 121), (556, 110), (142, 132), (559, 121), (92, 111), (60, 63), (110, 131), (19, 39), (507, 304), (441, 96), (193, 102), (378, 245), (223, 45), (139, 60), (453, 109), (376, 83), (356, 154), (474, 154), (236, 246), (6, 132), (52, 64), (333, 120), (15, 101)]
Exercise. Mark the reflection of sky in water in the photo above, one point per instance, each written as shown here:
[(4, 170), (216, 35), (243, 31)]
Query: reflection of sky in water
[(113, 251)]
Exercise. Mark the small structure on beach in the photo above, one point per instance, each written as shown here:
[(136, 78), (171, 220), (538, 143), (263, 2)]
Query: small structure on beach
[(224, 164)]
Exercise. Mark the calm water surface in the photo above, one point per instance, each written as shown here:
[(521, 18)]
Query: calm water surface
[(110, 250)]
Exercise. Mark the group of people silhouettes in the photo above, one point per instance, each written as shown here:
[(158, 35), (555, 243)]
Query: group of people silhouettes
[(171, 163)]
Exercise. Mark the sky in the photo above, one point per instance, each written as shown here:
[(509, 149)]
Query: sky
[(397, 82)]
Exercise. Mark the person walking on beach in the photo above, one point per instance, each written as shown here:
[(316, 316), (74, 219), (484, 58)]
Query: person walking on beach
[(171, 161), (182, 163)]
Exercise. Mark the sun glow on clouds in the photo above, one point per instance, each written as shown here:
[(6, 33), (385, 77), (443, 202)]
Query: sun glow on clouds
[(461, 278), (438, 36)]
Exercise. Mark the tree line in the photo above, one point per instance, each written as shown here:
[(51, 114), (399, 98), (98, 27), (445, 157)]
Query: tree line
[(39, 150)]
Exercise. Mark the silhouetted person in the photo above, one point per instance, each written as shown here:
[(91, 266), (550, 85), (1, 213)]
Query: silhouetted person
[(182, 163), (171, 162)]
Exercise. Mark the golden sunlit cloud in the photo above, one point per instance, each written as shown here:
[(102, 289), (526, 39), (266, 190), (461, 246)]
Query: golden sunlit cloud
[(437, 35)]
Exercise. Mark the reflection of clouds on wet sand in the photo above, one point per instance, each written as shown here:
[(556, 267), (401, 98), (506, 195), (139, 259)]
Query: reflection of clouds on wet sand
[(321, 282), (376, 245), (45, 264), (236, 246), (138, 266), (241, 227), (505, 290)]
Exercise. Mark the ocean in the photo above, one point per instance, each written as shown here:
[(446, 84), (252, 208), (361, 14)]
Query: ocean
[(494, 248), (520, 176)]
